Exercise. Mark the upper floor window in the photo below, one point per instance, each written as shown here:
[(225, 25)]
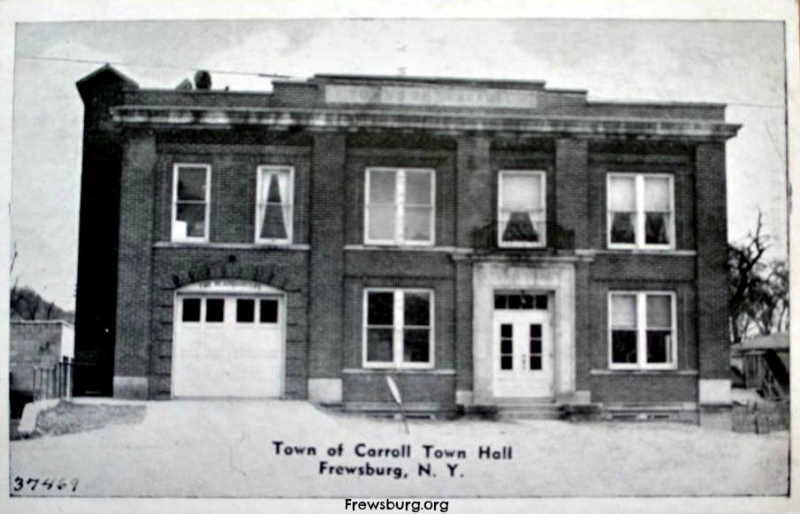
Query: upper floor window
[(642, 330), (640, 211), (400, 206), (190, 202), (274, 204), (398, 328), (521, 209)]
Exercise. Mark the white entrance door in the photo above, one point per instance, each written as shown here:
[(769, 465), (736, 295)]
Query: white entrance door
[(523, 366), (228, 346)]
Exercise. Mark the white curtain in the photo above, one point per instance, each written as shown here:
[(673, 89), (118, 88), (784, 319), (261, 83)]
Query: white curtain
[(622, 194), (270, 197), (656, 194), (623, 311), (521, 193)]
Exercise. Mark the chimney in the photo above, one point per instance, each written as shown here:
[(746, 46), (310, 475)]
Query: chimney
[(202, 80)]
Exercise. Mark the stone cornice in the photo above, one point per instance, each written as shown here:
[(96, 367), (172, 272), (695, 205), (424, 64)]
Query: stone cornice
[(449, 123)]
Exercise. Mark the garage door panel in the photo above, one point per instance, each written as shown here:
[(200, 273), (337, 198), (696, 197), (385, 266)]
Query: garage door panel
[(265, 343), (228, 359), (244, 377)]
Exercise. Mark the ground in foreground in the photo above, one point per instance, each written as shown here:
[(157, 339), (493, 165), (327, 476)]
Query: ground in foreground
[(229, 449)]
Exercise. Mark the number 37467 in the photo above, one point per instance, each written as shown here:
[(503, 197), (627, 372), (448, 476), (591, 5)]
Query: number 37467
[(43, 485)]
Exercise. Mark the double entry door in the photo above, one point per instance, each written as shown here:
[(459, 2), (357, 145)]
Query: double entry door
[(523, 354)]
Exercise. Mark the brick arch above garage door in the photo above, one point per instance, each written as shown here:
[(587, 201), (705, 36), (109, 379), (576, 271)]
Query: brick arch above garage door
[(269, 274)]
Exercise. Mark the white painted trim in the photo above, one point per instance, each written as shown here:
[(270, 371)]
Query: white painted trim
[(232, 246), (658, 372), (641, 331), (228, 287), (636, 251), (290, 228), (399, 371), (399, 205), (382, 248), (175, 167), (639, 195), (397, 329), (515, 244)]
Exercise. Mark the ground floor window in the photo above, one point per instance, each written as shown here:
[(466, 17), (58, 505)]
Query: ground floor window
[(642, 330), (398, 328)]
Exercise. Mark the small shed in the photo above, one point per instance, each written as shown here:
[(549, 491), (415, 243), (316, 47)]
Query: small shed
[(764, 362), (38, 344)]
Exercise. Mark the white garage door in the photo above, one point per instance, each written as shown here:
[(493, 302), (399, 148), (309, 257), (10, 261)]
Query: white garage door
[(228, 346)]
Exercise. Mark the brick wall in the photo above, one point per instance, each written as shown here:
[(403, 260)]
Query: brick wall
[(644, 388), (134, 308), (712, 253), (572, 190), (326, 271)]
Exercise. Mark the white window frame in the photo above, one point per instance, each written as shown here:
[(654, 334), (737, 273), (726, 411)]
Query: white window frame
[(173, 232), (259, 219), (543, 232), (397, 330), (639, 189), (400, 204), (641, 332)]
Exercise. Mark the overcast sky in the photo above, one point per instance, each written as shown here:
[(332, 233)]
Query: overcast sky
[(738, 63)]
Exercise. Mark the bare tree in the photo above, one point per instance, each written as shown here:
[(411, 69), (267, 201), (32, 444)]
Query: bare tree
[(759, 290)]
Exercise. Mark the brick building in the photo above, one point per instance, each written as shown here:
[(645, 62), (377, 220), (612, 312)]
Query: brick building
[(483, 242)]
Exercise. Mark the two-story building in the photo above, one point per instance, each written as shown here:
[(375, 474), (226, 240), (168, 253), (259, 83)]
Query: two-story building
[(481, 241)]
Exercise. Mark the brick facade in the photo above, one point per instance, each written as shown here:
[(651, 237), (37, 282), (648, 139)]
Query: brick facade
[(327, 266)]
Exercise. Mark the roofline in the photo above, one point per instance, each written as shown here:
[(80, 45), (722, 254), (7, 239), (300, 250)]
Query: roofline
[(430, 80), (106, 67), (333, 119), (656, 103)]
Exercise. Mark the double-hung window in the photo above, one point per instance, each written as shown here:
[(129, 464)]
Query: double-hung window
[(642, 330), (521, 209), (640, 211), (274, 204), (191, 192), (398, 328), (400, 206)]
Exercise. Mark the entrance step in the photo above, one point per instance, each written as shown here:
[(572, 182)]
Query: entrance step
[(531, 410)]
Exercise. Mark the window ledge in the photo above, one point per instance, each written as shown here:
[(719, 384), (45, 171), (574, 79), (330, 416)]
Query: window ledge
[(692, 372), (397, 371), (401, 248), (231, 246), (636, 251)]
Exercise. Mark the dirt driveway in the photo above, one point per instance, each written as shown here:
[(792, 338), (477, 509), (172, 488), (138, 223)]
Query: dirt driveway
[(292, 449)]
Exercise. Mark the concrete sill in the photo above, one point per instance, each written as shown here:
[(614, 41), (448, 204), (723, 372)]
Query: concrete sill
[(617, 372), (395, 371)]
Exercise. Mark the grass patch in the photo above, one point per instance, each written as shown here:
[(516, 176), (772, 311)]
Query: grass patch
[(70, 418)]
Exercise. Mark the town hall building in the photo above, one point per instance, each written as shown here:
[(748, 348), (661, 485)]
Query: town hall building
[(485, 243)]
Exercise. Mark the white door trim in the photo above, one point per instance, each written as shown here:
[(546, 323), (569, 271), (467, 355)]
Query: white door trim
[(558, 279)]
